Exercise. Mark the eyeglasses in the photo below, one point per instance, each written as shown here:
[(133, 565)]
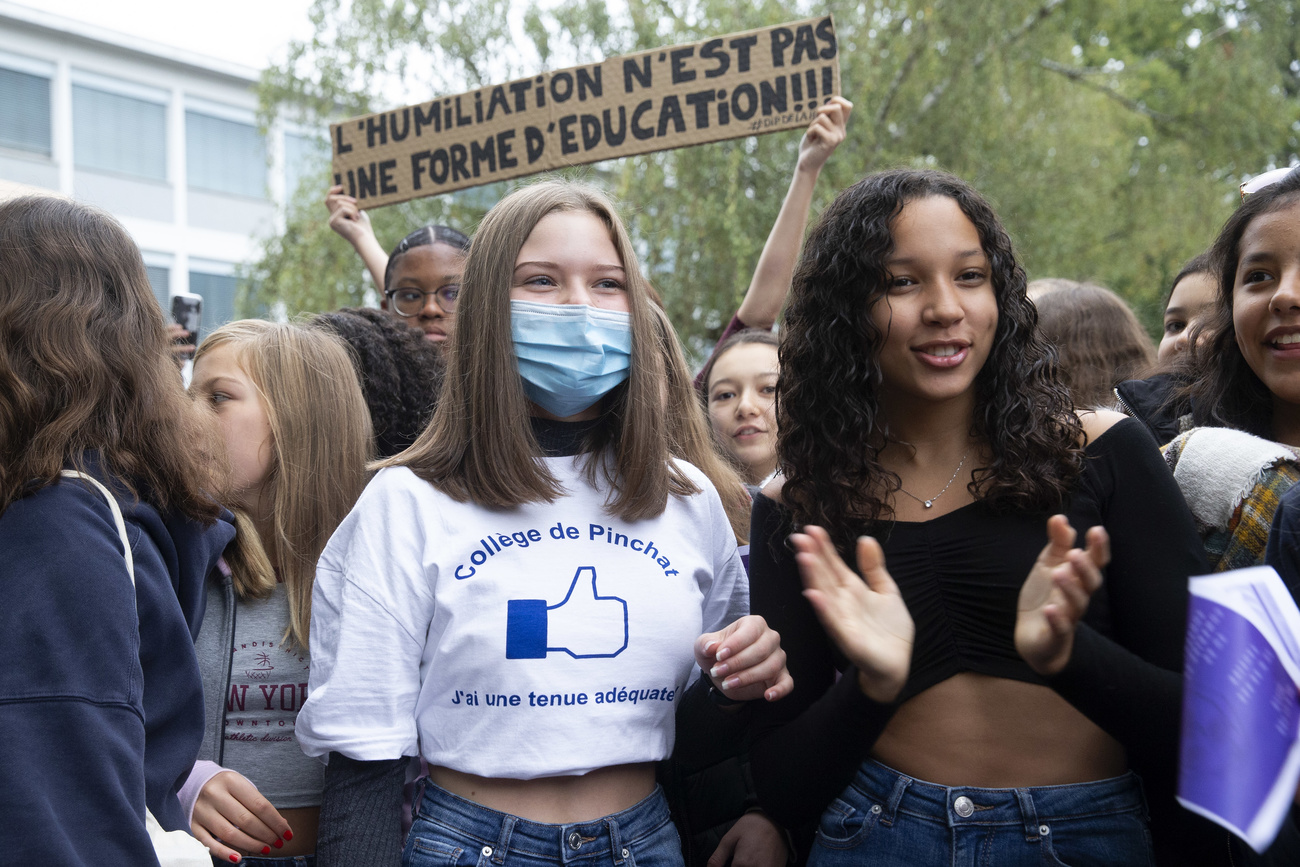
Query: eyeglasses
[(1268, 179), (410, 302)]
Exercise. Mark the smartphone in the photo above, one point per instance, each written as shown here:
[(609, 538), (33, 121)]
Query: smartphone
[(187, 312)]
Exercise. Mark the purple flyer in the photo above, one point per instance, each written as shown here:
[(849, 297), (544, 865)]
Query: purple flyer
[(1239, 756)]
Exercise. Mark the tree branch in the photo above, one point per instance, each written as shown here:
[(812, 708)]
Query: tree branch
[(899, 77), (1031, 21), (1080, 76)]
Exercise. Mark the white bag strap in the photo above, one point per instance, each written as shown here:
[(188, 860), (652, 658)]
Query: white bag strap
[(117, 517), (173, 848)]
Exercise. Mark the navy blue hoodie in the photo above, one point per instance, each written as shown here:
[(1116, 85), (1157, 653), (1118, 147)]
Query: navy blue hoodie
[(101, 704)]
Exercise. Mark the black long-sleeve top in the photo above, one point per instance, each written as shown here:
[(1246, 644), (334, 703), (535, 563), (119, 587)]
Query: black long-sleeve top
[(960, 575)]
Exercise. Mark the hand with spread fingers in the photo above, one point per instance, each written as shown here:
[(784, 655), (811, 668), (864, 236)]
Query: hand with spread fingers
[(1055, 596), (745, 660), (865, 616)]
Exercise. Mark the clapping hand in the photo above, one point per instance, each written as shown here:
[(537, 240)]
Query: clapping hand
[(865, 616), (1055, 596)]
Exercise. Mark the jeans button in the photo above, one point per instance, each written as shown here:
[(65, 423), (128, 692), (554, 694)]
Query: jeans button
[(487, 851), (1043, 830), (964, 806), (575, 841)]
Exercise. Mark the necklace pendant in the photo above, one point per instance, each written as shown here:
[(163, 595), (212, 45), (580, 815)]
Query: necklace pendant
[(929, 503)]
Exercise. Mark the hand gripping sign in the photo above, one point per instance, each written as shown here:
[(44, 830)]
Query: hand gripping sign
[(583, 624)]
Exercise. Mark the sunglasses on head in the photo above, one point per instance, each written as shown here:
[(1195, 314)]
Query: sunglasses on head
[(1259, 182)]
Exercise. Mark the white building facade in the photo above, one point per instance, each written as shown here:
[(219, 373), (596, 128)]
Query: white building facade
[(165, 140)]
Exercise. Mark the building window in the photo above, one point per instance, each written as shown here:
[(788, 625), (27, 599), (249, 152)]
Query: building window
[(304, 157), (24, 111), (117, 133), (224, 156), (218, 291), (160, 278)]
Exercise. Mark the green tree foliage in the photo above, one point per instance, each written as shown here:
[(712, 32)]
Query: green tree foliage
[(1110, 134)]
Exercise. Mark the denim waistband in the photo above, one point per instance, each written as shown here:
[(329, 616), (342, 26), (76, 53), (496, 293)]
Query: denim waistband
[(573, 841), (971, 805)]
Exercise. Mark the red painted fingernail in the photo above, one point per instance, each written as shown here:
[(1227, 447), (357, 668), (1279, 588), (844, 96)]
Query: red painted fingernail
[(288, 835), (266, 850), (234, 859), (279, 844)]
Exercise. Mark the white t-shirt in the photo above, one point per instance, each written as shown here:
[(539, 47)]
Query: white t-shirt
[(545, 640)]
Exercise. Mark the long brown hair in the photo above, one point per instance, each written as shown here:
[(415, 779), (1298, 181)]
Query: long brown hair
[(692, 435), (479, 447), (320, 442), (85, 365), (1099, 342)]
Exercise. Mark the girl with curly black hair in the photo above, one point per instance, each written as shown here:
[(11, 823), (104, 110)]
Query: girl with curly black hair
[(922, 425)]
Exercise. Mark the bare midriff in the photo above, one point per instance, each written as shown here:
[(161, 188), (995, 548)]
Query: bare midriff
[(303, 821), (976, 730), (554, 800)]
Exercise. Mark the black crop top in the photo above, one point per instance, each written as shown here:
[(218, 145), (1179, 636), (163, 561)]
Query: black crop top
[(960, 575)]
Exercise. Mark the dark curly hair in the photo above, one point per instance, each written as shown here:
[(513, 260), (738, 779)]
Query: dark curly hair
[(401, 373), (828, 397), (1222, 388)]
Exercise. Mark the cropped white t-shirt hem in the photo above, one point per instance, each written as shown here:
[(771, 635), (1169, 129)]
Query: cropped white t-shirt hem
[(551, 639)]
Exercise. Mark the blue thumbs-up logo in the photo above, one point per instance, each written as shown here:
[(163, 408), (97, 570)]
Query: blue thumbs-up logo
[(583, 624)]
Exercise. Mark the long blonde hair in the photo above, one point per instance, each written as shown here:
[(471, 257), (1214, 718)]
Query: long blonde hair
[(320, 442), (479, 446)]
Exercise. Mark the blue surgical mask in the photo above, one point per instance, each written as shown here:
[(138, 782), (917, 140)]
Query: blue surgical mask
[(570, 355)]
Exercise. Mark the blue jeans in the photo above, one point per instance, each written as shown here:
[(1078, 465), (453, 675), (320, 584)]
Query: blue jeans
[(268, 861), (884, 818), (449, 831)]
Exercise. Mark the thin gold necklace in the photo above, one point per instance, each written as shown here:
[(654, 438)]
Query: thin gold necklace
[(930, 502)]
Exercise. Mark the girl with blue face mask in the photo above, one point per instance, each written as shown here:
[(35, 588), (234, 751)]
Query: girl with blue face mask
[(522, 597), (569, 315)]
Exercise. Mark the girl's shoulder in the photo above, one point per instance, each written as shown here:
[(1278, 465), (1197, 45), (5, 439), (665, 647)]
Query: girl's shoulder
[(397, 481), (708, 500), (694, 473), (1097, 422), (772, 490), (394, 494)]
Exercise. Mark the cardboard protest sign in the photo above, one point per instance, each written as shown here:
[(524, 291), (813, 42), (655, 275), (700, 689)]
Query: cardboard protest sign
[(732, 86)]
